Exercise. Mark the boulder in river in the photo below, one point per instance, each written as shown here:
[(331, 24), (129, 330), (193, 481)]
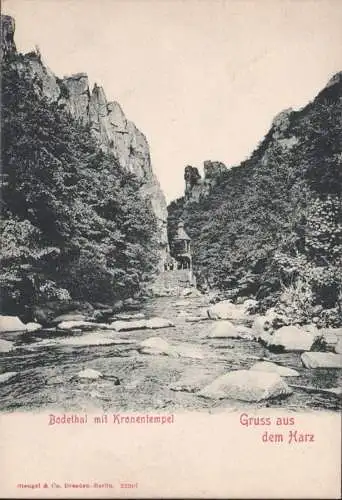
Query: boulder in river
[(11, 324), (73, 316), (246, 385), (316, 359), (89, 374), (5, 377), (71, 325), (156, 345), (226, 329), (289, 338), (227, 310), (6, 346), (268, 366), (126, 326), (154, 323), (33, 327)]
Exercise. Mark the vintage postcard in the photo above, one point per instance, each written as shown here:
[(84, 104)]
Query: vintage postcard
[(171, 258)]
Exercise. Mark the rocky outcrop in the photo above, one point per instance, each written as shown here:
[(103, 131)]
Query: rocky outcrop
[(195, 186), (7, 35), (107, 121)]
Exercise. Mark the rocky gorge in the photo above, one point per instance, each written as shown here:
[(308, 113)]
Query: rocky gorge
[(86, 230), (106, 120)]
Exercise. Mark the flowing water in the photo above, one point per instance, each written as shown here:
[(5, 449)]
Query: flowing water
[(47, 366)]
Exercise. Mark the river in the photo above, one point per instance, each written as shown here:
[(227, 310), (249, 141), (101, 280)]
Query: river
[(47, 369)]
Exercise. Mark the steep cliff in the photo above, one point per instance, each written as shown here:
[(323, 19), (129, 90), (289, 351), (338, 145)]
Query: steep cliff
[(107, 122), (196, 187), (7, 35), (79, 199), (270, 228)]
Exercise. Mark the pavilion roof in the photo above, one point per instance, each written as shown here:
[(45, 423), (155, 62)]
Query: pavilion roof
[(181, 234)]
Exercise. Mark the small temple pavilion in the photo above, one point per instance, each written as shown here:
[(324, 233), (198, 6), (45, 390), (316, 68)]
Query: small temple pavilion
[(178, 266), (182, 248)]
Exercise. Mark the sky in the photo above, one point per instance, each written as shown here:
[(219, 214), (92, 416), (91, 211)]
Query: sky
[(202, 79)]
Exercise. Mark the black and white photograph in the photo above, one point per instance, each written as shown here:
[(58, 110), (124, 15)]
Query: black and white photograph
[(171, 218)]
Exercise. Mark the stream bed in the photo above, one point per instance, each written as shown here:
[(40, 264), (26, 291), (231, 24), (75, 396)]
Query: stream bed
[(47, 369)]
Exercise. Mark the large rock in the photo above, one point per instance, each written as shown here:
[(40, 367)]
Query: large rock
[(289, 338), (267, 366), (156, 345), (5, 377), (89, 374), (11, 324), (321, 360), (32, 327), (226, 310), (73, 316), (126, 326), (79, 325), (6, 346), (226, 329), (155, 323), (246, 385)]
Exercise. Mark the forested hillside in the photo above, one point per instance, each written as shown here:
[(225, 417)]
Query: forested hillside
[(271, 227), (74, 225)]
